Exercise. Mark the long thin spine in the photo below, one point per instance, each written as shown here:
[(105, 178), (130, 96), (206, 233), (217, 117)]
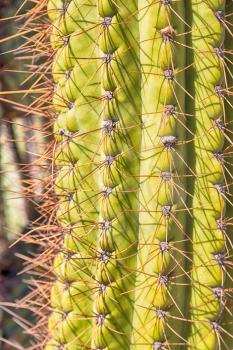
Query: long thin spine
[(121, 128), (208, 212), (77, 104), (159, 294)]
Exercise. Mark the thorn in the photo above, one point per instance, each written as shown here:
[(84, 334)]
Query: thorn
[(109, 160), (219, 124), (70, 104), (68, 256), (108, 95), (104, 256), (221, 225), (160, 313), (64, 315), (220, 15), (100, 319), (166, 210), (164, 246), (66, 40), (167, 33), (109, 126), (64, 132), (219, 89), (157, 345), (219, 52), (169, 110), (169, 142), (166, 2), (169, 74), (106, 22), (219, 157), (70, 197), (166, 175), (220, 188), (106, 225), (102, 288), (216, 326), (220, 259), (219, 292), (107, 58), (163, 280), (65, 6), (68, 73), (107, 191), (66, 286)]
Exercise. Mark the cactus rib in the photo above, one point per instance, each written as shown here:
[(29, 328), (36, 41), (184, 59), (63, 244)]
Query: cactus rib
[(208, 238), (159, 264), (77, 104), (117, 242)]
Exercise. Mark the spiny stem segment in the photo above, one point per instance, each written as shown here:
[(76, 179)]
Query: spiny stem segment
[(76, 75), (118, 43), (208, 239), (158, 264)]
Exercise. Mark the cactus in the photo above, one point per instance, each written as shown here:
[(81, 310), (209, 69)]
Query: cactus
[(141, 257)]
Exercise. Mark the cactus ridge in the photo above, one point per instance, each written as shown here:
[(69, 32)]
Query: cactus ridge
[(78, 162), (121, 144), (209, 200), (137, 252), (159, 263)]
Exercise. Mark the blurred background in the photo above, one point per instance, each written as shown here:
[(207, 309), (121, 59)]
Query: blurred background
[(18, 152)]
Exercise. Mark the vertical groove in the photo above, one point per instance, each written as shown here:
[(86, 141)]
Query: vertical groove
[(159, 293), (121, 128), (208, 212)]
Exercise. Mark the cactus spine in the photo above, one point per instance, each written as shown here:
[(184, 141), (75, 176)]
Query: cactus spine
[(143, 112)]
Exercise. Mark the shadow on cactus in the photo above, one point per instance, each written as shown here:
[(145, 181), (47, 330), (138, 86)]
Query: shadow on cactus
[(136, 208)]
